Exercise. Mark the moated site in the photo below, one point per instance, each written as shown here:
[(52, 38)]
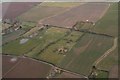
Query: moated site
[(59, 40)]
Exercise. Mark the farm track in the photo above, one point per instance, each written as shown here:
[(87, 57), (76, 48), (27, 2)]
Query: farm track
[(107, 52)]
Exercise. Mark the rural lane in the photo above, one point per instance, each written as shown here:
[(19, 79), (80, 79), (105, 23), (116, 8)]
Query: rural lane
[(107, 52)]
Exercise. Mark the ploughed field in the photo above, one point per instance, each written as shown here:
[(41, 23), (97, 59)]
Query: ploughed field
[(40, 12), (88, 11), (22, 67), (45, 10), (11, 10)]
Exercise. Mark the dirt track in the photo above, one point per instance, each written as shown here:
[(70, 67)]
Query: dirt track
[(89, 11)]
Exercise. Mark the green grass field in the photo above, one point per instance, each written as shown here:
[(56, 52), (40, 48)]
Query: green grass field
[(28, 25), (86, 51), (51, 35), (101, 74), (109, 61), (51, 54), (82, 25), (40, 41), (14, 47), (109, 22), (87, 26)]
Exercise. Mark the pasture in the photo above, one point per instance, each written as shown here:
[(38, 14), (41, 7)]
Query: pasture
[(87, 50), (45, 36), (57, 51), (109, 61), (14, 47), (108, 24), (11, 10), (28, 25), (51, 35), (83, 25)]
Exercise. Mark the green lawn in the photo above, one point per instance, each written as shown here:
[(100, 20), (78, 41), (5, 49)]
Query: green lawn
[(109, 23), (86, 51)]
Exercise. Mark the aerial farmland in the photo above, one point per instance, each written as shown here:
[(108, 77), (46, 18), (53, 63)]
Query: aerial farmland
[(59, 40)]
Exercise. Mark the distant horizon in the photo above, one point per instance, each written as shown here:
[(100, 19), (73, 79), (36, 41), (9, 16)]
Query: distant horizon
[(59, 1)]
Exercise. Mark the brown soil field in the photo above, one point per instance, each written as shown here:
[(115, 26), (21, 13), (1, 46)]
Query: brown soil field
[(11, 10), (24, 68), (6, 61), (88, 11)]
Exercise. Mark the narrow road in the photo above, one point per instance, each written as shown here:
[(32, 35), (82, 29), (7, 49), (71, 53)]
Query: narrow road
[(107, 52)]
